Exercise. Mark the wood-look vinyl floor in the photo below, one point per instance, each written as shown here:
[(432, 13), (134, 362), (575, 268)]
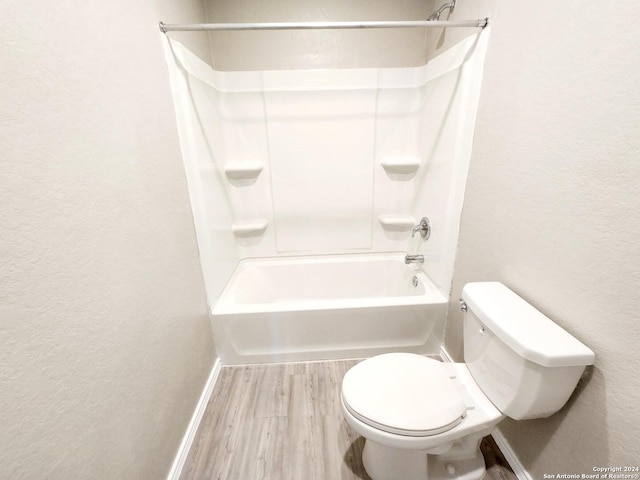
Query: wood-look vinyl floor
[(283, 422)]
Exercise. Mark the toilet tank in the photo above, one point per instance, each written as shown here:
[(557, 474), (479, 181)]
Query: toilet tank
[(527, 365)]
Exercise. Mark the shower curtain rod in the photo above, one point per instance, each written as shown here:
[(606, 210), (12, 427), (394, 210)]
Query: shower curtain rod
[(480, 23)]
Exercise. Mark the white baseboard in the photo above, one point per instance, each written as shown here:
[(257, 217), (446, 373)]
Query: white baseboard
[(187, 440), (510, 455), (501, 441)]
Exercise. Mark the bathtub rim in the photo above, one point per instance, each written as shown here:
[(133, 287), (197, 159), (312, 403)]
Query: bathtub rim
[(432, 295)]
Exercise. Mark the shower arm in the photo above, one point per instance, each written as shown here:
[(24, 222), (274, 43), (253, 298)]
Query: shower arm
[(435, 16)]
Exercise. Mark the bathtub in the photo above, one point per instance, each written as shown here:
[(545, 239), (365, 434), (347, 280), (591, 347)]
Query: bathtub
[(291, 309)]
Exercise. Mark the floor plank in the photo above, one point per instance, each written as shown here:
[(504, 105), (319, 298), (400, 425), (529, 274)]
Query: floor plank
[(284, 422)]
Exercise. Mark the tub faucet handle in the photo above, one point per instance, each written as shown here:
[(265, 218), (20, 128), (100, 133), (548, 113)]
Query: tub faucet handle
[(424, 227)]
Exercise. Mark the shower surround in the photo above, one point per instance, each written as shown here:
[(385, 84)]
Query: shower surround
[(310, 163)]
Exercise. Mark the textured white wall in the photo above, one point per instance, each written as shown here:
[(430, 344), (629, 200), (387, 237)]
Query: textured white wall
[(269, 50), (551, 209), (105, 343)]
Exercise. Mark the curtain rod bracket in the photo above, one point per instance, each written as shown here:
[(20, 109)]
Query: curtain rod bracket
[(163, 29)]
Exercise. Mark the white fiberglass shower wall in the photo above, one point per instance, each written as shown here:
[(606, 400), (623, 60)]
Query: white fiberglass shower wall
[(327, 161)]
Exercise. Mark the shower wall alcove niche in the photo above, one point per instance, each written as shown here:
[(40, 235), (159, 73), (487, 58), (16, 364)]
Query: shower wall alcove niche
[(305, 187)]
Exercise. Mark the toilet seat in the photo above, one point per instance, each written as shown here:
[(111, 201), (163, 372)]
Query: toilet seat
[(404, 394)]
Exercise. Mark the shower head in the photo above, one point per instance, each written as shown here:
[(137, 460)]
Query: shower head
[(436, 15)]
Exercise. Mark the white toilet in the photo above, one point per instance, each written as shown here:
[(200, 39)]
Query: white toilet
[(422, 418)]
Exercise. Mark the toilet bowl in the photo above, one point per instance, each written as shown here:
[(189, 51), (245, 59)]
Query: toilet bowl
[(426, 407), (422, 418)]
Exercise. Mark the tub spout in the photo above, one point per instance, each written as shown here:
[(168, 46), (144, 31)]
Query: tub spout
[(413, 259)]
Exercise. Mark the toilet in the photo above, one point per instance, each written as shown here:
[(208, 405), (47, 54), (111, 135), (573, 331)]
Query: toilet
[(424, 419)]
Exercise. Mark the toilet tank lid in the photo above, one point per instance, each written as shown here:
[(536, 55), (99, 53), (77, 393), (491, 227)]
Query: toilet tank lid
[(523, 328)]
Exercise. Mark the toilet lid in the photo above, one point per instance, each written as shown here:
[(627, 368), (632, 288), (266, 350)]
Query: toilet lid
[(403, 393)]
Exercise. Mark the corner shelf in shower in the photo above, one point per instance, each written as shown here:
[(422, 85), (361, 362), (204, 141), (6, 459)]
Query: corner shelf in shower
[(243, 170), (401, 164), (249, 229), (397, 222)]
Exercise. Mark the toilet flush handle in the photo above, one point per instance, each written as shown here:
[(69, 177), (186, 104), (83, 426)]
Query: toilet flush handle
[(463, 305)]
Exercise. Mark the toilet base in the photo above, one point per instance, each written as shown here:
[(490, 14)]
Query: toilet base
[(385, 463), (472, 468)]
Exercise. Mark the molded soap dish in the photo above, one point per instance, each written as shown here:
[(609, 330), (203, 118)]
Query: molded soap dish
[(397, 222), (401, 164), (239, 170), (249, 229)]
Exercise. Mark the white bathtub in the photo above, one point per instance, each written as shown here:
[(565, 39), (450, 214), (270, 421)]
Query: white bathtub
[(327, 307)]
